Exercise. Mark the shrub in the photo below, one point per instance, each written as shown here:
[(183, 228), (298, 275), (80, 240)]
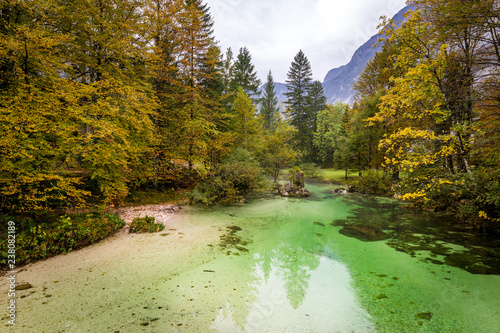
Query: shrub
[(476, 202), (230, 181), (373, 183), (312, 172), (145, 224)]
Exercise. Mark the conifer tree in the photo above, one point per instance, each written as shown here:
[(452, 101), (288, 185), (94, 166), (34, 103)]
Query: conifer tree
[(269, 108), (244, 75), (316, 100), (190, 69), (298, 82)]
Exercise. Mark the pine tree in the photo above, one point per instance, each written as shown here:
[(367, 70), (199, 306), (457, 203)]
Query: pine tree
[(316, 99), (244, 75), (298, 81), (269, 108)]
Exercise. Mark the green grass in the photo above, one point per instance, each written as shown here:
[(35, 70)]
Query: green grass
[(338, 176)]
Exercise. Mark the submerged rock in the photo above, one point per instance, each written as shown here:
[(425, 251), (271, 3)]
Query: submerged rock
[(338, 223), (364, 233), (424, 315), (24, 286)]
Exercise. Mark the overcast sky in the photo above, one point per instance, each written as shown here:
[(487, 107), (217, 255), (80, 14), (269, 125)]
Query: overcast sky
[(327, 31)]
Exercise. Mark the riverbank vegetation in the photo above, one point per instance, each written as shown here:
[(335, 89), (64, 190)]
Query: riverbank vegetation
[(101, 102), (430, 102)]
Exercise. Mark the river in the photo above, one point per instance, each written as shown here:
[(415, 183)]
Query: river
[(328, 263)]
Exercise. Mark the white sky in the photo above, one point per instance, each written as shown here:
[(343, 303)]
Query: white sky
[(327, 31)]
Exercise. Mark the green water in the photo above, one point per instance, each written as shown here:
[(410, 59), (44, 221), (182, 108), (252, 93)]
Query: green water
[(328, 263), (293, 271)]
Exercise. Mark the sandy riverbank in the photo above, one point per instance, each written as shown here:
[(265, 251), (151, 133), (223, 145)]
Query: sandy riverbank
[(109, 286)]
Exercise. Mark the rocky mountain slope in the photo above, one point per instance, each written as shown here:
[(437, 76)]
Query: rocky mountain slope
[(338, 82)]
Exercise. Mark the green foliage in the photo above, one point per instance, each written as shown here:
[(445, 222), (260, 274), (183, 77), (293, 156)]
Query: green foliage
[(67, 233), (328, 132), (230, 181), (278, 150), (145, 224), (246, 127), (476, 202), (373, 183), (336, 176), (312, 172), (296, 176)]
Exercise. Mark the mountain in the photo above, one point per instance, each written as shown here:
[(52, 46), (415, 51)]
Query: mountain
[(338, 82)]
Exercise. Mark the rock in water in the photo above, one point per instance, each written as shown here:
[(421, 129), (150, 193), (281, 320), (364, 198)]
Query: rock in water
[(364, 233), (424, 315), (24, 286), (295, 186)]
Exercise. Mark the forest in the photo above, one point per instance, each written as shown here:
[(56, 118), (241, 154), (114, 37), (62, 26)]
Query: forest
[(100, 100)]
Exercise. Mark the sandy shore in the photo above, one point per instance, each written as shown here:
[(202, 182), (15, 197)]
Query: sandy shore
[(109, 286)]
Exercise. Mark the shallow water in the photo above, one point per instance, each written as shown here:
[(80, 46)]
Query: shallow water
[(305, 276), (291, 265)]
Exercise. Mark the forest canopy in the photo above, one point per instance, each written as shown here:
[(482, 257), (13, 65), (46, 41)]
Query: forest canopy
[(101, 98)]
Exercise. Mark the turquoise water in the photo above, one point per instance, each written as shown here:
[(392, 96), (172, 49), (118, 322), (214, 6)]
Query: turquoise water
[(301, 274), (328, 263)]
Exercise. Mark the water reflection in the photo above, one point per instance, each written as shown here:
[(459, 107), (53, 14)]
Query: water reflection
[(298, 282), (432, 239), (327, 304), (302, 275)]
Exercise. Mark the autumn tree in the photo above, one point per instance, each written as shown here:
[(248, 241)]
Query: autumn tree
[(38, 121), (190, 86), (278, 151), (84, 65)]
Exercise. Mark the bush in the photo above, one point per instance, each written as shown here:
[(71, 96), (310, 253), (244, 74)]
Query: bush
[(145, 224), (65, 234), (230, 181), (312, 172), (476, 202), (373, 183)]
